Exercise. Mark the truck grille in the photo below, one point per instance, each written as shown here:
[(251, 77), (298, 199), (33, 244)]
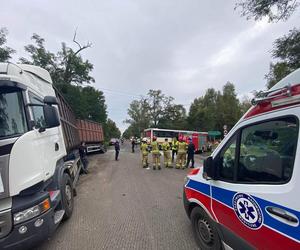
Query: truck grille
[(5, 223)]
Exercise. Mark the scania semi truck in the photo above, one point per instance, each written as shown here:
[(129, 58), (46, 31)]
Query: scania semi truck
[(39, 160)]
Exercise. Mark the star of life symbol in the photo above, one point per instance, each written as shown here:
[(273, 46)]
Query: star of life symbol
[(247, 210)]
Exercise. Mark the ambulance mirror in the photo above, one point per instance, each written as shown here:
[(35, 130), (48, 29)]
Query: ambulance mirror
[(209, 168)]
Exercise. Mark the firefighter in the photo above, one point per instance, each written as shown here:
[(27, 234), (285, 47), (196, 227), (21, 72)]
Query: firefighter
[(174, 148), (144, 150), (167, 153), (155, 154), (181, 155)]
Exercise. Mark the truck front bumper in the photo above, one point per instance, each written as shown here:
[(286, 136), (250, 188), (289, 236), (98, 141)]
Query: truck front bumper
[(33, 235)]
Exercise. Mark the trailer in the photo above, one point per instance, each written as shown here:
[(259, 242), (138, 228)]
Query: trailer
[(91, 133)]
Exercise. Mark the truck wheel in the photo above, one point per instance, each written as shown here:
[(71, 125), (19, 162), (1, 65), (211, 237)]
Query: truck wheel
[(205, 233), (67, 196)]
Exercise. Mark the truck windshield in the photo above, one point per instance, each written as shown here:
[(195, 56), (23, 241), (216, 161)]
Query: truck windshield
[(12, 114)]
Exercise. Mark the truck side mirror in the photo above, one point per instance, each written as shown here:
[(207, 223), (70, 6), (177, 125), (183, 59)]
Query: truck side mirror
[(51, 116), (50, 100), (209, 169)]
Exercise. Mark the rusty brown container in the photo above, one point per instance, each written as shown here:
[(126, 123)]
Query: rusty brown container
[(90, 132), (68, 123)]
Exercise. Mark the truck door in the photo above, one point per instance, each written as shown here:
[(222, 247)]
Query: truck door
[(49, 144), (254, 196)]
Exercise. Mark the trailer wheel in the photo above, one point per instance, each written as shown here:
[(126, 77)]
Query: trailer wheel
[(67, 193), (205, 233)]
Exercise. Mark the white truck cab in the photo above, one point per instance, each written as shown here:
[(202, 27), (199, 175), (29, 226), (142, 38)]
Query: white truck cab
[(36, 189), (247, 194)]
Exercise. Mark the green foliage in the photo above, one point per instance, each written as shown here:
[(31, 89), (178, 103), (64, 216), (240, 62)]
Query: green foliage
[(174, 116), (286, 50), (5, 52), (66, 66), (157, 105), (138, 112), (245, 104), (86, 102), (111, 130), (131, 131), (154, 110), (215, 109), (277, 72), (274, 10), (73, 68)]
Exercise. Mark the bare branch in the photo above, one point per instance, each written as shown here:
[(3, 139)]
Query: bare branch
[(88, 45)]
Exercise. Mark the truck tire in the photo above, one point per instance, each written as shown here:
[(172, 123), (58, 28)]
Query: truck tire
[(205, 233), (67, 193)]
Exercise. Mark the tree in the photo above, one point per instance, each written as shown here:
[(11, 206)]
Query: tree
[(5, 52), (174, 116), (274, 10), (66, 66), (214, 110), (154, 110), (138, 112), (131, 131), (276, 73), (286, 50), (86, 102), (245, 104), (111, 130), (157, 102), (230, 106)]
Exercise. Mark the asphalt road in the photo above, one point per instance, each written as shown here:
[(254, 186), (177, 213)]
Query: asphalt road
[(120, 205)]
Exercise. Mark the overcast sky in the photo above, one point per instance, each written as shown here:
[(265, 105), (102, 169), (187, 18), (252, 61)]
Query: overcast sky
[(181, 47)]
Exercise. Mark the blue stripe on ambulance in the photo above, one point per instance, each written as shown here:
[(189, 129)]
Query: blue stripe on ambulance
[(225, 196), (199, 186)]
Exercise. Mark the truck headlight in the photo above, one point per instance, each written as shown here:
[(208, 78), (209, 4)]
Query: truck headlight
[(32, 212)]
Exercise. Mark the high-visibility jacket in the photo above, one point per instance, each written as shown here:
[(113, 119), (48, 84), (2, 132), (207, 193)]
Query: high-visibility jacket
[(165, 146), (155, 148), (182, 147), (175, 145), (144, 148)]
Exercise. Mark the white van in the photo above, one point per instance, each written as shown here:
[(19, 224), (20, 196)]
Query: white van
[(247, 196)]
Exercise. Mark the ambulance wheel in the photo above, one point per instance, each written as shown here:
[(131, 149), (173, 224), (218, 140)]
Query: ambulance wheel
[(67, 199), (205, 233)]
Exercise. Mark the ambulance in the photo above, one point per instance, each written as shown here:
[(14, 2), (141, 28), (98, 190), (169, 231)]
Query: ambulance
[(247, 195)]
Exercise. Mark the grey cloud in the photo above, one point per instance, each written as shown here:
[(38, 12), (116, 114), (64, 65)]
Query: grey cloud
[(139, 44)]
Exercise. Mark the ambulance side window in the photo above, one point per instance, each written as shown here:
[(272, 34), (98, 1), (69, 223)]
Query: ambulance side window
[(226, 160), (267, 151)]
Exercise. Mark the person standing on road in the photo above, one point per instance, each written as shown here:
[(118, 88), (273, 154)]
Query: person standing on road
[(132, 144), (144, 150), (83, 153), (190, 153), (117, 150), (174, 148), (167, 153), (181, 155), (155, 154)]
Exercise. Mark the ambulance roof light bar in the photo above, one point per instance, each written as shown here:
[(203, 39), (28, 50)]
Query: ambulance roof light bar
[(270, 94)]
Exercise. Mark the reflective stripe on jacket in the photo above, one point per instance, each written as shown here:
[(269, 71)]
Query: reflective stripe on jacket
[(154, 146), (165, 146), (175, 145), (144, 149)]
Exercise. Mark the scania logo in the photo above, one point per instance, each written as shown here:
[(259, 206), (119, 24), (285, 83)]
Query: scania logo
[(247, 210)]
